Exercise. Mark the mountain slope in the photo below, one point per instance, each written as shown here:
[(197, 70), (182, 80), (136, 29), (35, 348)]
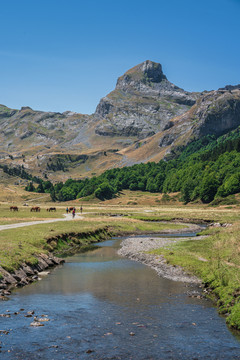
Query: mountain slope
[(142, 104), (146, 118), (214, 113)]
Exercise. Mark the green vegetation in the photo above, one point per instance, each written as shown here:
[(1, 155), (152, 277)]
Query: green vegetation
[(216, 260), (19, 171), (207, 169), (21, 245)]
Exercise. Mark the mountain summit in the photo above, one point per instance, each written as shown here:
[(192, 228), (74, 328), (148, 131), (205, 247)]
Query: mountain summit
[(142, 103), (147, 72)]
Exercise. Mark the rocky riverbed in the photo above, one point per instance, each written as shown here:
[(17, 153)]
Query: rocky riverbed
[(136, 248)]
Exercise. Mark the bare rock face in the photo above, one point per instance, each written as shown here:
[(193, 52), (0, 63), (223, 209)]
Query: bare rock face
[(218, 112), (142, 104), (215, 113)]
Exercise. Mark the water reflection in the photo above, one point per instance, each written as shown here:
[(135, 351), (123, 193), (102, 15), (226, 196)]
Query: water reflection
[(97, 299), (107, 276)]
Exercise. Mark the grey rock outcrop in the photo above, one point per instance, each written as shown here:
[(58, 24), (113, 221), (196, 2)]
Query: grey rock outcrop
[(27, 127), (27, 273), (142, 104), (215, 113)]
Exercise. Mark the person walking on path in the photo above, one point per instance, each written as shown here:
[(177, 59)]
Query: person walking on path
[(67, 210), (81, 209), (73, 213)]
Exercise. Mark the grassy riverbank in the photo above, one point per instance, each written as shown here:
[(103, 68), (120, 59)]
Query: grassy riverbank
[(21, 244), (215, 259)]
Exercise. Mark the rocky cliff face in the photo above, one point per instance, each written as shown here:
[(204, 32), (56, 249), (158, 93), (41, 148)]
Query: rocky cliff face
[(215, 113), (142, 104)]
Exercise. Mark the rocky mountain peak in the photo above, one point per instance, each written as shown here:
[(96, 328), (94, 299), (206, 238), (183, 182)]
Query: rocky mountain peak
[(143, 103), (147, 72), (23, 108)]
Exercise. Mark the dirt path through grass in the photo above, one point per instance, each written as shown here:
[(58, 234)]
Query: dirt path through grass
[(29, 223)]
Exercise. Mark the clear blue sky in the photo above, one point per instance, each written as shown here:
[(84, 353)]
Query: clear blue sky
[(58, 55)]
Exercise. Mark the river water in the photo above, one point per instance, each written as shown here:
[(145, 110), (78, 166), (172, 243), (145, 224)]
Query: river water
[(102, 306)]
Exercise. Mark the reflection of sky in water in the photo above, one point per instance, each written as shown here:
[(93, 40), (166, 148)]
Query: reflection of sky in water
[(108, 243), (96, 299)]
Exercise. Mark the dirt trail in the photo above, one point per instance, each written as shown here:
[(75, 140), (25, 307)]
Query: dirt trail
[(13, 226)]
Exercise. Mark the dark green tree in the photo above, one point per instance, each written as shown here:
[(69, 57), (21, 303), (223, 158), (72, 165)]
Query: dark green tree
[(30, 187), (104, 191), (208, 188)]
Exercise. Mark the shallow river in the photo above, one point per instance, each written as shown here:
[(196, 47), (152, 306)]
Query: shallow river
[(102, 306)]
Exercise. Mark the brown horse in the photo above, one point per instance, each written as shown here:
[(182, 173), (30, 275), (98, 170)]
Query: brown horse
[(13, 208), (35, 208), (51, 209), (71, 208)]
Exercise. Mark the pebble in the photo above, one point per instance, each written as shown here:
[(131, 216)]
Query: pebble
[(43, 319), (36, 323)]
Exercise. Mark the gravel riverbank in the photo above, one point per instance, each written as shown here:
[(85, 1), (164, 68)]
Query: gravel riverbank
[(135, 248)]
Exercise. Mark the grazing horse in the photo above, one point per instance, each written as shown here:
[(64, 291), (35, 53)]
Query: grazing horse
[(35, 208), (71, 208), (51, 209), (14, 208)]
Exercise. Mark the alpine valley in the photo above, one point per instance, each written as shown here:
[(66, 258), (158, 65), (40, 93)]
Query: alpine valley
[(146, 118), (153, 158)]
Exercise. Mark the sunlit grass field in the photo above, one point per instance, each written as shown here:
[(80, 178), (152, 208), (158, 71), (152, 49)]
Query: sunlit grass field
[(20, 244), (24, 214), (215, 258)]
